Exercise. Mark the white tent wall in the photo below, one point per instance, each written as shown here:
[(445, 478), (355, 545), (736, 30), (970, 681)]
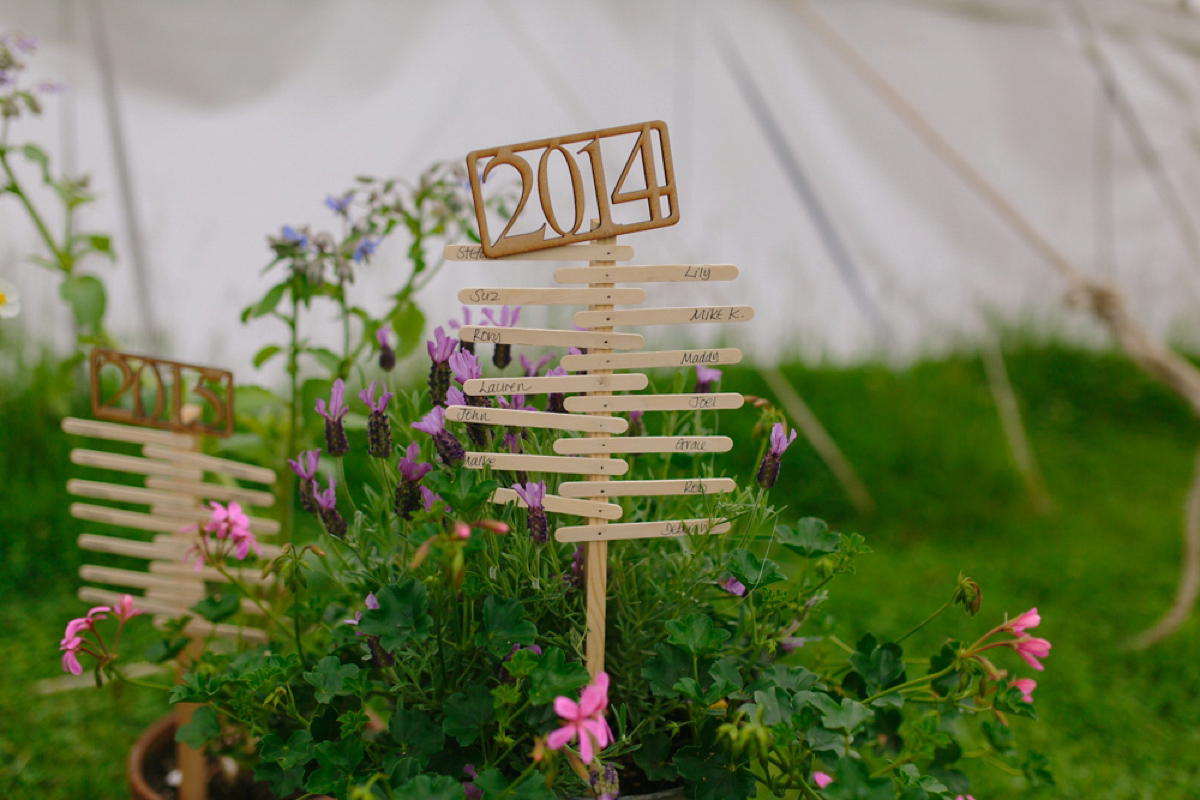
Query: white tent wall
[(241, 117)]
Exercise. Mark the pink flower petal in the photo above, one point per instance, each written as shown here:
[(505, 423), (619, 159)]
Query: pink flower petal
[(566, 708), (560, 736)]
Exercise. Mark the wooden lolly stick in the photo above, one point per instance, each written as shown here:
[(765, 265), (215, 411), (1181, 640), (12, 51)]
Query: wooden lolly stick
[(213, 491), (551, 297), (133, 578), (132, 547), (116, 432), (250, 577), (573, 252), (562, 505), (126, 494), (535, 419), (645, 444), (656, 402), (120, 463), (655, 273), (533, 463), (166, 521), (199, 628), (221, 466), (557, 383), (697, 486), (269, 551), (154, 605), (638, 530), (651, 358), (664, 316), (549, 337)]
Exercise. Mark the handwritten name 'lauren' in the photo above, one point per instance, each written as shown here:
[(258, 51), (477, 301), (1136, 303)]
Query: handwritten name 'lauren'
[(505, 387)]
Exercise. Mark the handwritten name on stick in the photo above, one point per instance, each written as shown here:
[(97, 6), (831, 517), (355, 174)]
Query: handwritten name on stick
[(678, 486), (549, 337), (574, 252), (558, 464), (664, 316), (552, 297), (639, 530), (652, 358), (658, 273), (644, 444), (536, 419), (153, 391), (650, 143), (657, 402), (631, 382)]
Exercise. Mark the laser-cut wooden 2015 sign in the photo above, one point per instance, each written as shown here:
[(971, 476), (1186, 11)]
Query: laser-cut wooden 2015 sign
[(152, 392), (651, 148)]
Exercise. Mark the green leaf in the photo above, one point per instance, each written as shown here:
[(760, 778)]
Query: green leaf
[(665, 668), (203, 728), (791, 679), (654, 757), (710, 777), (296, 751), (283, 782), (426, 787), (328, 359), (38, 156), (852, 781), (330, 678), (811, 538), (165, 649), (408, 322), (400, 768), (880, 667), (101, 244), (85, 294), (504, 625), (847, 718), (750, 570), (697, 634), (554, 676), (266, 354), (821, 740), (726, 673), (938, 662), (776, 705), (416, 734), (402, 616), (269, 301), (217, 607), (466, 714)]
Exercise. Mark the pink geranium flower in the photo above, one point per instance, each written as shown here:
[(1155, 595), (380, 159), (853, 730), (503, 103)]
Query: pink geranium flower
[(822, 779), (584, 720), (1026, 686), (1031, 649), (1030, 619)]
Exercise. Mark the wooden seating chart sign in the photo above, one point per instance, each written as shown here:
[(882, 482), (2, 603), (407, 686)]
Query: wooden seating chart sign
[(599, 375), (175, 491)]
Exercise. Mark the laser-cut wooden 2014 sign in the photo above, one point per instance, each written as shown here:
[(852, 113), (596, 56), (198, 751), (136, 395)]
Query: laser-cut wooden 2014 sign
[(651, 148), (152, 392)]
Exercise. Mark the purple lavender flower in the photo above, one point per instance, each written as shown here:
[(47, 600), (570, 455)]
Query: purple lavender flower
[(407, 499), (768, 471), (705, 378), (335, 432), (636, 428), (334, 523), (440, 349), (387, 356), (430, 498), (512, 442), (502, 354), (532, 369), (574, 578), (364, 249), (455, 397), (339, 205), (533, 494), (379, 427), (434, 423), (734, 586), (556, 401), (305, 467), (467, 367), (517, 403)]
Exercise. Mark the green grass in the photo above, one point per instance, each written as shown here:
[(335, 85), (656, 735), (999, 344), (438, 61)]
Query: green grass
[(1117, 452)]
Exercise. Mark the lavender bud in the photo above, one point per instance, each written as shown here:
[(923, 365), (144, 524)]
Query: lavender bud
[(336, 442), (379, 435), (308, 499), (387, 358), (479, 433), (467, 347), (539, 525), (448, 447), (556, 403), (439, 382), (407, 499), (502, 355), (768, 471), (334, 523)]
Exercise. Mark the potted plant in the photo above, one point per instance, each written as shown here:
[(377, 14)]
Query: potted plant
[(430, 642)]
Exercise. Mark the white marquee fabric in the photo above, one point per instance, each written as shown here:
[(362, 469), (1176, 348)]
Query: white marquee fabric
[(239, 117)]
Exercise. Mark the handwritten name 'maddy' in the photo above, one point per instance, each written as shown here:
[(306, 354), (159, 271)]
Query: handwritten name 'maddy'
[(700, 357), (718, 314)]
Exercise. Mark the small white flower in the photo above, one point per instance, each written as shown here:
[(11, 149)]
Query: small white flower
[(10, 302)]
